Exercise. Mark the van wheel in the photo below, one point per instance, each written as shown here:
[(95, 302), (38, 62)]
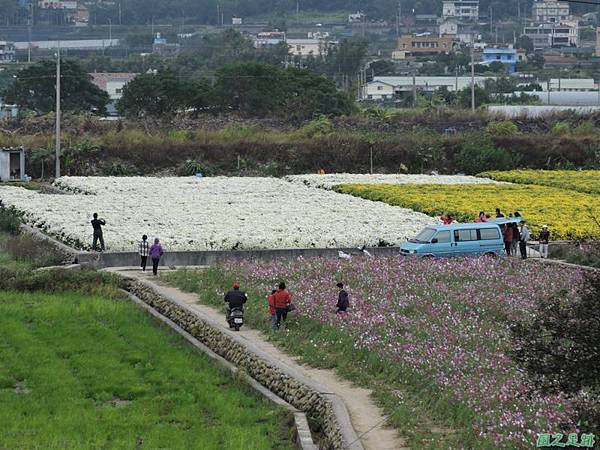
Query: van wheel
[(490, 255), (428, 257)]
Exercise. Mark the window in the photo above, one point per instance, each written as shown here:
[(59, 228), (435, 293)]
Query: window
[(489, 234), (465, 235), (380, 88), (119, 90), (443, 237)]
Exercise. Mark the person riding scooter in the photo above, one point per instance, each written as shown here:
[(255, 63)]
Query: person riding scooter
[(236, 300)]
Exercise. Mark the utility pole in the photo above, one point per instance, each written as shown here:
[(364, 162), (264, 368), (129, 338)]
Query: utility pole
[(398, 18), (57, 154), (110, 32), (491, 19), (414, 91), (29, 23), (297, 9), (473, 78)]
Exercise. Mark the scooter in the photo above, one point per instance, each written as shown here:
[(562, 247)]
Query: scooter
[(236, 318)]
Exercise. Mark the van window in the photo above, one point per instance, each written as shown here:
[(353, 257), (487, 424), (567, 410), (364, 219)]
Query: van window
[(425, 235), (465, 235), (443, 237), (488, 234)]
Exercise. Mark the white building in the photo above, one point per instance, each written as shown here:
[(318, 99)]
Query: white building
[(269, 39), (307, 47), (461, 9), (12, 164), (571, 85), (545, 35), (112, 83), (464, 33), (384, 88), (7, 51), (550, 11)]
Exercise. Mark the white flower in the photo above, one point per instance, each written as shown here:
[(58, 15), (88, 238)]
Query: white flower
[(217, 213)]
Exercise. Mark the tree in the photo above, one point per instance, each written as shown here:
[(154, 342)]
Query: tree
[(251, 88), (34, 88), (559, 346), (308, 95), (524, 42), (481, 97), (154, 95), (497, 67)]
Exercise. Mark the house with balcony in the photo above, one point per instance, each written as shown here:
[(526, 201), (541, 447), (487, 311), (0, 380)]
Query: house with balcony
[(550, 11), (464, 10), (504, 55), (546, 35)]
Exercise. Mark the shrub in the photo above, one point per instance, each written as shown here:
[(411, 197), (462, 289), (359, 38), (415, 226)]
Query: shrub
[(476, 157), (39, 253), (561, 128), (10, 220), (503, 128), (190, 167), (317, 127), (585, 128), (119, 168), (559, 346)]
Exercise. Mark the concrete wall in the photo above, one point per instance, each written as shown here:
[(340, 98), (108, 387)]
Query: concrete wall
[(131, 259), (4, 166)]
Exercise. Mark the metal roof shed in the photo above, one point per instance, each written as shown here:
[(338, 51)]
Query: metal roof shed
[(12, 164)]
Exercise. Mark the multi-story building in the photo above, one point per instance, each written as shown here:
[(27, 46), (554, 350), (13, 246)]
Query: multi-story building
[(7, 51), (461, 9), (425, 44), (545, 35), (550, 11)]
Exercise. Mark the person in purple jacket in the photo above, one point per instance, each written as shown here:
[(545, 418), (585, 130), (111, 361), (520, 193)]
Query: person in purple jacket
[(156, 251)]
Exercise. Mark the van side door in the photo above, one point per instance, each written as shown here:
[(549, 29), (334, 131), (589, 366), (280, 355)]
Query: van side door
[(491, 241), (466, 242), (441, 244)]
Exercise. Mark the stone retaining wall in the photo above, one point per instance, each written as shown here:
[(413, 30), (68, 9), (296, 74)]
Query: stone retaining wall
[(315, 404)]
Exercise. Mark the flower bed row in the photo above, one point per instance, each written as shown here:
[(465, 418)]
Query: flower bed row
[(445, 320), (568, 214), (212, 214), (328, 181), (577, 180)]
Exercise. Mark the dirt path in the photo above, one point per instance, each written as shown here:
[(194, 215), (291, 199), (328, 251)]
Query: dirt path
[(365, 415)]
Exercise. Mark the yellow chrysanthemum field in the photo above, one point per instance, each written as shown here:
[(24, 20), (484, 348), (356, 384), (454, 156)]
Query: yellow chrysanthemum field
[(568, 213)]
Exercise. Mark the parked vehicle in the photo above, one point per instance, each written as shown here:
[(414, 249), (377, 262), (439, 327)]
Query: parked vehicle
[(459, 239), (236, 318)]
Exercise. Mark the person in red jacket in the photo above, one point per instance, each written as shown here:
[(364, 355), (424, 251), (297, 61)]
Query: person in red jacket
[(272, 312), (282, 300)]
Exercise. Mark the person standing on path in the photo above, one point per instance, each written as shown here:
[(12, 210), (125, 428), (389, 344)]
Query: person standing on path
[(343, 301), (282, 300), (272, 311), (544, 241), (156, 251), (144, 251), (514, 245), (97, 226), (508, 237), (524, 240)]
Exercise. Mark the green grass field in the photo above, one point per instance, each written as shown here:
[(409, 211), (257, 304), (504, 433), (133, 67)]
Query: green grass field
[(88, 372)]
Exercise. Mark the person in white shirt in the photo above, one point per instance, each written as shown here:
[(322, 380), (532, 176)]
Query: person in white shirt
[(524, 239)]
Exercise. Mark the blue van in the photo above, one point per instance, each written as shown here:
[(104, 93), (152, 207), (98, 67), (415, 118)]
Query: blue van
[(460, 239)]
